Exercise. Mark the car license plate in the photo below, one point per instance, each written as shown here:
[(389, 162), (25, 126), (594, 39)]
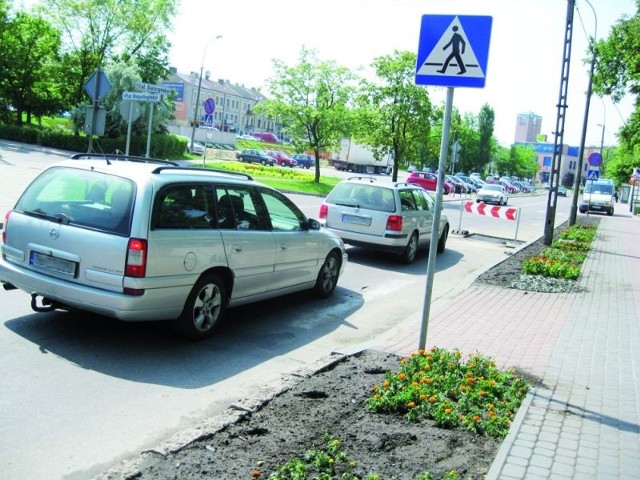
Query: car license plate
[(55, 264), (346, 218)]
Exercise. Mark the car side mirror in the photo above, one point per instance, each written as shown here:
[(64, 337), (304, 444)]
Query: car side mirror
[(312, 224)]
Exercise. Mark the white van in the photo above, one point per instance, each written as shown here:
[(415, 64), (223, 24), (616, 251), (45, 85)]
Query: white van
[(598, 196)]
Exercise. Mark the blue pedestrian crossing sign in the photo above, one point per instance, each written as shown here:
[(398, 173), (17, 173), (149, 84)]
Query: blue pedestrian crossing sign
[(593, 174), (453, 50)]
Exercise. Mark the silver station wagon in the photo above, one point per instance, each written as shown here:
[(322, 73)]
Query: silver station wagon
[(394, 217), (139, 239)]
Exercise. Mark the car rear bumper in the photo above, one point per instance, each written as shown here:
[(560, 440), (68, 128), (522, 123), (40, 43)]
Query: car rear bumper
[(153, 304)]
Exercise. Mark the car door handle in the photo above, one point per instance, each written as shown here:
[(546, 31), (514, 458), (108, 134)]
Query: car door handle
[(237, 248)]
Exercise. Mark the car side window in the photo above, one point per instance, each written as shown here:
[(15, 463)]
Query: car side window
[(283, 214), (407, 201), (183, 207), (240, 208), (420, 200)]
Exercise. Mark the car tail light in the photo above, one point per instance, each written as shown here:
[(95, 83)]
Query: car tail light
[(324, 208), (394, 223), (136, 258), (4, 227)]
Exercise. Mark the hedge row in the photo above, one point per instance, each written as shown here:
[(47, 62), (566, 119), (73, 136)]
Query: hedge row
[(162, 145)]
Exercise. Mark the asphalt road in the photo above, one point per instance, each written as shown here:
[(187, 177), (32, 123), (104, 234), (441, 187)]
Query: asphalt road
[(81, 393)]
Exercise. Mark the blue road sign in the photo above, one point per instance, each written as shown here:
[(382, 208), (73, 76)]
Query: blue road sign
[(595, 159), (453, 50), (593, 174)]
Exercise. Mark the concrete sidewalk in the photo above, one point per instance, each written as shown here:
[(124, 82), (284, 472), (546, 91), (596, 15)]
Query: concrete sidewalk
[(584, 421)]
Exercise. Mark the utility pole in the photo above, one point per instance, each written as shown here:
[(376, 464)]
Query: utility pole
[(554, 179)]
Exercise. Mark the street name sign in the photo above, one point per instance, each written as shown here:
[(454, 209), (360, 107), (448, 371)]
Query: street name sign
[(141, 96), (148, 87)]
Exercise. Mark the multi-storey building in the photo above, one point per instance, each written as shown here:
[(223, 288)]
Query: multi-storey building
[(221, 106)]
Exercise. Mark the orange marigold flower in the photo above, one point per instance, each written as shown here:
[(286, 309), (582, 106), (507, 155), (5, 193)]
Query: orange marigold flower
[(415, 384), (482, 393), (447, 411), (376, 396), (411, 404), (423, 397), (386, 384), (427, 367), (476, 418), (421, 351), (401, 376), (404, 360), (491, 414), (492, 383), (491, 406), (471, 380), (457, 354), (432, 399)]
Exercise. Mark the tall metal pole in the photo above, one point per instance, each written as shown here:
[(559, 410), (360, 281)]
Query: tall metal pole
[(197, 104), (431, 263), (554, 180), (578, 177)]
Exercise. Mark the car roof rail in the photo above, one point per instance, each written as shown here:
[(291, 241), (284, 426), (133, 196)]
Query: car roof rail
[(120, 157), (371, 179), (202, 169), (405, 184)]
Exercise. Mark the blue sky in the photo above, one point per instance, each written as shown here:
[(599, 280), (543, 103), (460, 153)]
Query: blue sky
[(525, 54)]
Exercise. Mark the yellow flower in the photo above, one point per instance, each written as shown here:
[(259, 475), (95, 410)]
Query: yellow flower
[(491, 414), (423, 397), (376, 396), (401, 376), (411, 404), (476, 418), (482, 393), (404, 360), (432, 399), (447, 411), (386, 384)]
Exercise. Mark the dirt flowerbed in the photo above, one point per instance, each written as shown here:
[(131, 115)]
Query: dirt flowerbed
[(272, 431)]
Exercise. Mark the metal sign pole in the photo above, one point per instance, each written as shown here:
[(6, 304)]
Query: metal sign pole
[(433, 246), (129, 127), (149, 128)]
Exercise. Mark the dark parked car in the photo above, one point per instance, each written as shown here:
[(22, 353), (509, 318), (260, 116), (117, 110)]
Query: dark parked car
[(255, 156), (304, 160)]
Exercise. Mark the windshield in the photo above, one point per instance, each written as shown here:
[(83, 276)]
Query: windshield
[(599, 188)]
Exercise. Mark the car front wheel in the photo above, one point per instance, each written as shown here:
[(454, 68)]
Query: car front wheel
[(328, 276), (204, 308)]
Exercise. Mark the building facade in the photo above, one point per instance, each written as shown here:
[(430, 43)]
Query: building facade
[(220, 106), (528, 126)]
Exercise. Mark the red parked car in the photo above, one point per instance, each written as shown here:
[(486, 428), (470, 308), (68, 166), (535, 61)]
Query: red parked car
[(429, 181), (281, 158)]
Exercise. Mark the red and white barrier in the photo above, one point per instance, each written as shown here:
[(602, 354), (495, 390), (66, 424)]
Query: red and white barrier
[(495, 211), (507, 213)]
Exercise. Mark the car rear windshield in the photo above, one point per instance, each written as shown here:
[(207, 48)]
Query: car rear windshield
[(80, 197), (363, 196)]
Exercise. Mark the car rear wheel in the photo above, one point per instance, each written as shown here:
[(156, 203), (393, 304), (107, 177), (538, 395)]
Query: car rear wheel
[(409, 253), (204, 308), (328, 276), (442, 241)]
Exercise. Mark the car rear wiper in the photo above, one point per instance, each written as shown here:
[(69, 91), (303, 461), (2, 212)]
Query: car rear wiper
[(345, 204)]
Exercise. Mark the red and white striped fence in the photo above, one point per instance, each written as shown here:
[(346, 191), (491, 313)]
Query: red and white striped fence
[(495, 211), (507, 213)]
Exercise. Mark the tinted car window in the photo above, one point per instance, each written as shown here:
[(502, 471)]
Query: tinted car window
[(240, 208), (284, 216), (183, 206)]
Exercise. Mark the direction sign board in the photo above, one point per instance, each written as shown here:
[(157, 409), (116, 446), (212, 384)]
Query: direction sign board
[(141, 97), (148, 87), (453, 50), (593, 174)]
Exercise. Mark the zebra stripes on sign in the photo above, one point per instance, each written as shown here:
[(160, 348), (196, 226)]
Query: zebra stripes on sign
[(506, 213)]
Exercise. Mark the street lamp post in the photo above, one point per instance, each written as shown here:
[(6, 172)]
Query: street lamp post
[(195, 108), (578, 176)]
